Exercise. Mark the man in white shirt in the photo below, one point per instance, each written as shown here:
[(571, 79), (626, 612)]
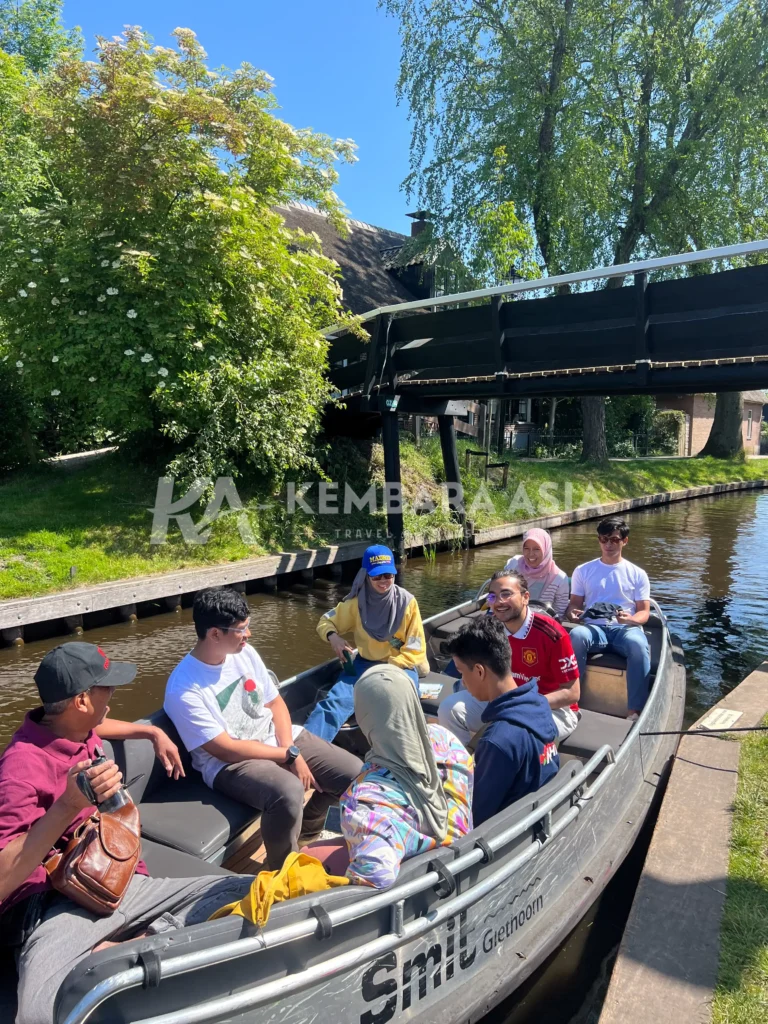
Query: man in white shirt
[(238, 729), (613, 580)]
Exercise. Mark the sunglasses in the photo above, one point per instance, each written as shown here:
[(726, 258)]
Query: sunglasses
[(609, 540), (241, 631)]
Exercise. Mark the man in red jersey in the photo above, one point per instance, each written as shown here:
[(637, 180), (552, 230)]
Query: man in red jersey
[(541, 652)]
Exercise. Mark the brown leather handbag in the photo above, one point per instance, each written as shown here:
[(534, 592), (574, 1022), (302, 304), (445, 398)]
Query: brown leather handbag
[(98, 863)]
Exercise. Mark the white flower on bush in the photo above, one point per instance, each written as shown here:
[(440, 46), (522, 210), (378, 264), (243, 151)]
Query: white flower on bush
[(55, 392), (162, 372), (161, 383), (22, 293), (102, 298), (82, 312), (105, 263), (32, 284), (55, 359), (129, 352), (19, 252), (34, 251), (91, 379), (131, 314), (19, 364), (55, 301), (197, 345), (63, 280), (115, 264), (38, 260), (146, 358), (112, 291), (69, 130)]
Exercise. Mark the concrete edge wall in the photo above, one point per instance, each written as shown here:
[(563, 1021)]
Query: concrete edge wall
[(669, 956), (119, 593)]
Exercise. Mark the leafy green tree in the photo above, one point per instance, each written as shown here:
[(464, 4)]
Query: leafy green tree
[(33, 30), (148, 283), (619, 130)]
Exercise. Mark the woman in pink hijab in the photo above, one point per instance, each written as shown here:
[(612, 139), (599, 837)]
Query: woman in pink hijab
[(546, 583)]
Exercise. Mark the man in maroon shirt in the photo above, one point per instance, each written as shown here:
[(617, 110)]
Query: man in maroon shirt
[(541, 652), (40, 807)]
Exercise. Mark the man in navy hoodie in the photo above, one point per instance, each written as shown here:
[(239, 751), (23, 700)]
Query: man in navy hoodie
[(516, 753)]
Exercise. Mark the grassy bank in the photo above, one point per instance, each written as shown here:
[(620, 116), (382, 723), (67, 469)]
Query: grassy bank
[(741, 996), (61, 526)]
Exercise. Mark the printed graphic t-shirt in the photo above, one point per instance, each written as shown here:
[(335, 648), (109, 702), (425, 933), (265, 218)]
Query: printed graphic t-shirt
[(623, 584), (205, 700), (542, 653)]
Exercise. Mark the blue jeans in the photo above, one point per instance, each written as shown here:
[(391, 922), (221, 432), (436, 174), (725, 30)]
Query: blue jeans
[(628, 641), (329, 714)]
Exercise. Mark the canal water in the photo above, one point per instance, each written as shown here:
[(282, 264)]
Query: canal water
[(708, 564)]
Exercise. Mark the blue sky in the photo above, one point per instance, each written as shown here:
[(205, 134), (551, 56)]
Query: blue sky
[(335, 66)]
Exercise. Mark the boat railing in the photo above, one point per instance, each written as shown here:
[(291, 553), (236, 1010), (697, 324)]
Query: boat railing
[(483, 589), (394, 898)]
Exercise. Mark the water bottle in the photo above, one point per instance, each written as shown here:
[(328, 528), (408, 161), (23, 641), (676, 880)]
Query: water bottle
[(115, 802)]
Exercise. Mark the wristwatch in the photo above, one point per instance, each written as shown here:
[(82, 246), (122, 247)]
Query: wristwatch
[(292, 753)]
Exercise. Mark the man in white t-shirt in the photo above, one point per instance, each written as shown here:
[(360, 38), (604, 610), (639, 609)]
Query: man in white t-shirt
[(612, 580), (237, 728)]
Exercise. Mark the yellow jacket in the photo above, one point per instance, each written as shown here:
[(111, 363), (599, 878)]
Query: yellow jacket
[(345, 618), (301, 873)]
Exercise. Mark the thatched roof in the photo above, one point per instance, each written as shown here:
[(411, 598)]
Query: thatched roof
[(366, 280), (755, 396)]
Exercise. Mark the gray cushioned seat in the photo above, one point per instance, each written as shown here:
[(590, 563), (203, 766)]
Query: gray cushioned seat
[(593, 731), (607, 659), (449, 629), (189, 816), (163, 862)]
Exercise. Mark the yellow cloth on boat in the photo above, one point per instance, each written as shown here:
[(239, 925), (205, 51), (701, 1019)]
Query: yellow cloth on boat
[(299, 875)]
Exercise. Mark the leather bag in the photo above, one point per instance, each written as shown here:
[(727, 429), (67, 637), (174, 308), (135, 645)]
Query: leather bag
[(97, 865)]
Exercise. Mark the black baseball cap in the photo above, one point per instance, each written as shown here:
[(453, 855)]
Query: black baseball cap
[(72, 668)]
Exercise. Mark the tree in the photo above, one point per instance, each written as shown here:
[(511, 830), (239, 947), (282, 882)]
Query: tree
[(33, 30), (149, 286), (619, 131), (725, 437)]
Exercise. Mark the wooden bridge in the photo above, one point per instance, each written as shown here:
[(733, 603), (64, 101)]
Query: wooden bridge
[(703, 332)]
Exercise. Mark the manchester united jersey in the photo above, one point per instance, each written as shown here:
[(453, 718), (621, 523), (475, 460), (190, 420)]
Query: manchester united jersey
[(542, 653)]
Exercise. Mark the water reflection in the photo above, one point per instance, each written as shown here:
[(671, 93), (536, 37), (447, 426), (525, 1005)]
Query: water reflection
[(707, 559)]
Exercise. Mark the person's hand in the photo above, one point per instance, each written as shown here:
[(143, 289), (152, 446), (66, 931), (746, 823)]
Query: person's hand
[(574, 614), (167, 754), (104, 778), (339, 645), (623, 617), (300, 769)]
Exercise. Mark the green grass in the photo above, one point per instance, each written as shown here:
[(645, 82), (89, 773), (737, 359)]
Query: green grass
[(741, 996), (97, 518)]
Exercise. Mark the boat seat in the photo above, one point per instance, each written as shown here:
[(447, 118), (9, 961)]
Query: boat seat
[(164, 862), (449, 629), (593, 731), (183, 814), (606, 659), (430, 705)]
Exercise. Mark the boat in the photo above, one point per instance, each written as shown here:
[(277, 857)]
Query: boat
[(462, 927)]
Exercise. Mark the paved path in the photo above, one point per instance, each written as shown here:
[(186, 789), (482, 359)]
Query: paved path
[(668, 961)]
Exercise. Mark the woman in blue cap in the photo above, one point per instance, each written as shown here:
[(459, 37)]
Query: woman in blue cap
[(386, 625)]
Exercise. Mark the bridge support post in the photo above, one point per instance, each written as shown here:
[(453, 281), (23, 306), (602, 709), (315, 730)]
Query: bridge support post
[(451, 464), (393, 488), (500, 427)]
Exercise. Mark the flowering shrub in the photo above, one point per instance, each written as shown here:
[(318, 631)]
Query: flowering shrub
[(148, 280)]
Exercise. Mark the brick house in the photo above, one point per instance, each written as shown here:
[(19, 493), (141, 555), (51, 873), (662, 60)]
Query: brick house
[(700, 411)]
